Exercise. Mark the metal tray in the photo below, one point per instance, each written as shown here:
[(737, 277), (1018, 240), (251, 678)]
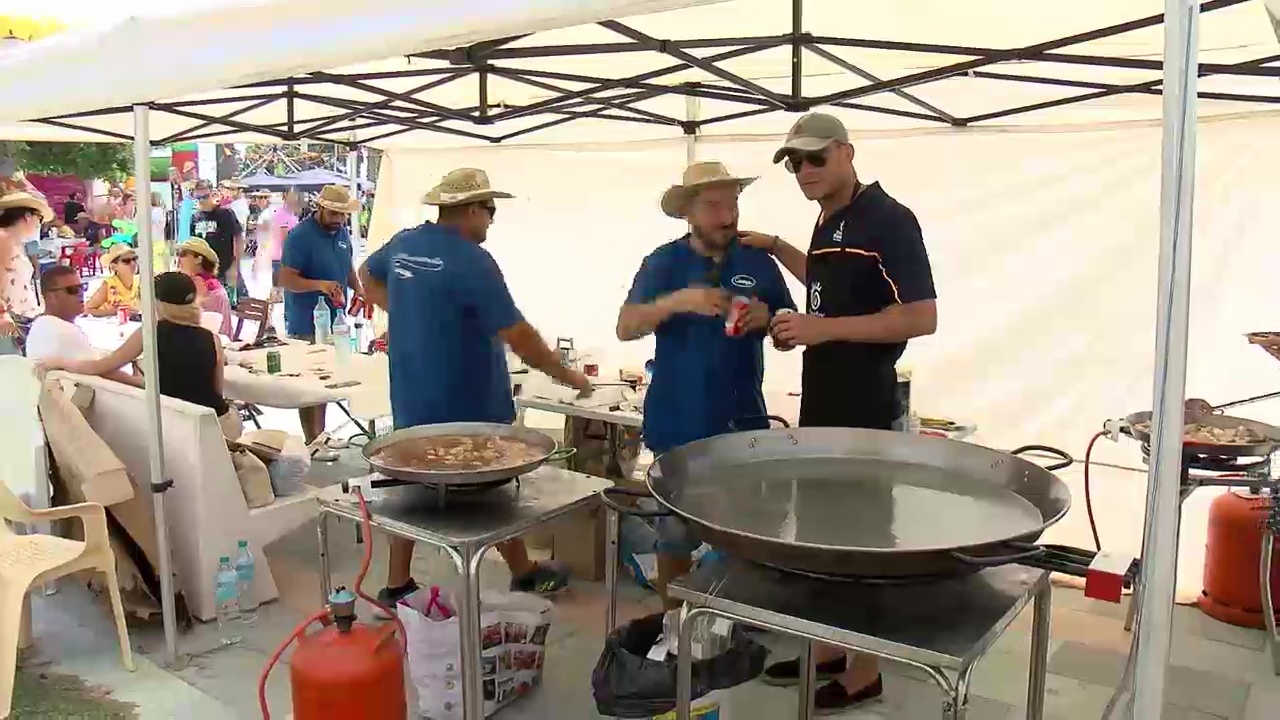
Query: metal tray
[(552, 452), (1199, 411)]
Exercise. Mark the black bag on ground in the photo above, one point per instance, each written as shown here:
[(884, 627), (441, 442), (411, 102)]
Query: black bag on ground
[(627, 684)]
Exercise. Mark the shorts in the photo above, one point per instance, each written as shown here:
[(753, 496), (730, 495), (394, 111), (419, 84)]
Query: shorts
[(674, 537), (275, 273), (305, 338)]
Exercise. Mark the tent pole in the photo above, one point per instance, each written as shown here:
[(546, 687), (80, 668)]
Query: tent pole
[(353, 170), (691, 113), (142, 191), (1160, 532)]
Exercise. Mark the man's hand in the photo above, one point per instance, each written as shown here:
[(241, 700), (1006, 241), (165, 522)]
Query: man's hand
[(712, 302), (7, 328), (581, 383), (758, 240), (756, 317), (333, 290), (796, 329)]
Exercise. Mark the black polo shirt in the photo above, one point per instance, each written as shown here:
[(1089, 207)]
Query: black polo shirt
[(866, 257)]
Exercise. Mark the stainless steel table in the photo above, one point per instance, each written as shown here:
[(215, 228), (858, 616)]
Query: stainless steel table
[(466, 525), (943, 627)]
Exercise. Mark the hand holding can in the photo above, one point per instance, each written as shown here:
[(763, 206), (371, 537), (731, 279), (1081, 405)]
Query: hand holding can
[(779, 344)]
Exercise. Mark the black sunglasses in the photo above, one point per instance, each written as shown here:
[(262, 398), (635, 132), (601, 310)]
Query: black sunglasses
[(127, 260), (796, 160), (491, 209), (70, 289)]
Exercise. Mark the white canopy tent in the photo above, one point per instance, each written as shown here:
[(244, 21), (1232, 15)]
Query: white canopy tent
[(904, 69)]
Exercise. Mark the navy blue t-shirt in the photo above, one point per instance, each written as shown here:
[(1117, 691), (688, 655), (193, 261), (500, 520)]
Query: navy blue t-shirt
[(703, 380), (448, 302), (316, 254)]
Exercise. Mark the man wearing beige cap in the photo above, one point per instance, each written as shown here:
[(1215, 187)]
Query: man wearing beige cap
[(869, 291), (705, 381), (450, 315)]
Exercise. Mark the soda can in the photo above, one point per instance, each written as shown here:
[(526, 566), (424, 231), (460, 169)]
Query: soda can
[(733, 321), (783, 311), (122, 314), (273, 362), (776, 343)]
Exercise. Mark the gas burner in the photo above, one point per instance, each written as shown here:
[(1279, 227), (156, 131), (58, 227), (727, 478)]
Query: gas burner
[(1216, 464), (866, 579)]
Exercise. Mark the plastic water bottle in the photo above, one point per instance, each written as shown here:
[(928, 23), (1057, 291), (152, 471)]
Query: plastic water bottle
[(244, 584), (341, 340), (322, 319), (226, 601)]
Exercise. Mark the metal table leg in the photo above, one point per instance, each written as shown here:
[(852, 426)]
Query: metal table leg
[(1268, 602), (958, 704), (808, 671), (322, 535), (1039, 651), (468, 561), (684, 662), (611, 530)]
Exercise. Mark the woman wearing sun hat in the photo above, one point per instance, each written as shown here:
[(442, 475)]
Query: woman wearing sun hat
[(121, 287), (199, 262), (22, 211)]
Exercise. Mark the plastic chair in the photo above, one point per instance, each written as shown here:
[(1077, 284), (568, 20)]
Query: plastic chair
[(32, 560)]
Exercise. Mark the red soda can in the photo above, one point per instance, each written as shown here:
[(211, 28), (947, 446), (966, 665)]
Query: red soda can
[(734, 321), (122, 315)]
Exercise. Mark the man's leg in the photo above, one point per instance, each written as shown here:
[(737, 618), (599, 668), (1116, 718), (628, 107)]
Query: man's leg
[(400, 582), (670, 567), (313, 420), (529, 576), (675, 556)]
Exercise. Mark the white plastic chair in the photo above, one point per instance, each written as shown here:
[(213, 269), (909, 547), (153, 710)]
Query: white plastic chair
[(29, 560)]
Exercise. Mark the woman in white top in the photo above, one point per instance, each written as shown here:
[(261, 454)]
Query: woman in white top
[(21, 213)]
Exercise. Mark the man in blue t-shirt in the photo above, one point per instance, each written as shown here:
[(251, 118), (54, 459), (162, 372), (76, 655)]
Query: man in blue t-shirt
[(316, 267), (705, 381), (450, 317)]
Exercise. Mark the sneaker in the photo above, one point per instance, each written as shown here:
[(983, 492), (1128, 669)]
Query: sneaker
[(325, 454), (390, 596), (832, 698), (787, 672), (543, 579)]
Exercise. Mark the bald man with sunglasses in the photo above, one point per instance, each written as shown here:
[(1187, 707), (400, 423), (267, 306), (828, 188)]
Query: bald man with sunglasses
[(869, 291)]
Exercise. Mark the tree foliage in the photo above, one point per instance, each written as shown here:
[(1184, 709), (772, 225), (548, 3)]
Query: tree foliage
[(89, 161)]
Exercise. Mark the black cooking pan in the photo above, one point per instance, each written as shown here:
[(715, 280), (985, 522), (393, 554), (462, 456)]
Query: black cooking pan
[(1199, 411), (864, 503)]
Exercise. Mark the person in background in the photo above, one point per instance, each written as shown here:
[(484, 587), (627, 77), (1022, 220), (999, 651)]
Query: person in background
[(98, 227), (262, 211), (22, 211), (72, 208), (316, 266), (121, 287), (221, 231), (115, 198), (236, 201), (451, 314), (128, 207), (705, 382), (199, 262), (189, 358), (55, 334), (159, 244), (284, 219)]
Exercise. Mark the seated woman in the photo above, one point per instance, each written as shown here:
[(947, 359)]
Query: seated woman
[(189, 357), (199, 262), (121, 287)]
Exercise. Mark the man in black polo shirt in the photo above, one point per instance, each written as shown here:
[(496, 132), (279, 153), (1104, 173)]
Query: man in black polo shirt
[(219, 227), (869, 291)]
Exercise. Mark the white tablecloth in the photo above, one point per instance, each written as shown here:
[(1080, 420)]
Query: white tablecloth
[(307, 374)]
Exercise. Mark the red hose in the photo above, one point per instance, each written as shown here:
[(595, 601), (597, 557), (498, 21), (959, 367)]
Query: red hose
[(323, 613), (1088, 497)]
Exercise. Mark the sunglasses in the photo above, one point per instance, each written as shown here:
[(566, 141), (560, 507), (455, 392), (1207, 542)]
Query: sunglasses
[(796, 160), (491, 209), (70, 289), (126, 261)]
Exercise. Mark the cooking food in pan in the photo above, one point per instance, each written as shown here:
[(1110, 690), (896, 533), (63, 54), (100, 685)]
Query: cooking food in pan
[(1264, 338), (1212, 434), (451, 453)]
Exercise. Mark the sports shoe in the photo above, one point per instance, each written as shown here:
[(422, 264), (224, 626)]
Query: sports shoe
[(787, 672), (543, 579), (833, 698), (390, 597)]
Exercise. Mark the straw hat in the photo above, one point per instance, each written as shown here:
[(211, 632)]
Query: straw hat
[(675, 200), (463, 186), (118, 251), (338, 199), (201, 248), (232, 184), (14, 193)]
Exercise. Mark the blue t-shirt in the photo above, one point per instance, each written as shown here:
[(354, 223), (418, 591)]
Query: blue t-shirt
[(704, 380), (448, 302), (316, 254)]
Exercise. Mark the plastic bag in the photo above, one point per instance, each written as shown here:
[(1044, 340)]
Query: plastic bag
[(255, 479), (289, 470), (626, 683)]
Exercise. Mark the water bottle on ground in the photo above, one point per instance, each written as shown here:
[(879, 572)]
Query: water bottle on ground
[(341, 340), (322, 319), (244, 584), (227, 602)]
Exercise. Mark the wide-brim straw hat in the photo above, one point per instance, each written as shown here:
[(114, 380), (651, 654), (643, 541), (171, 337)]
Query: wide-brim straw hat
[(337, 199), (675, 201), (14, 193), (232, 184), (118, 251), (461, 187), (201, 248)]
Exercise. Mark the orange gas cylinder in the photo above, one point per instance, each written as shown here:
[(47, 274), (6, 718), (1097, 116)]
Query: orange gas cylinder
[(348, 669), (1233, 555)]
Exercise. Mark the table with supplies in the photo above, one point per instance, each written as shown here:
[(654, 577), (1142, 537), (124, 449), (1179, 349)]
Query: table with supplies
[(465, 524)]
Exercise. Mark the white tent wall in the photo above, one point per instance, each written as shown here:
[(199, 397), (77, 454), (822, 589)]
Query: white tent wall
[(1043, 247)]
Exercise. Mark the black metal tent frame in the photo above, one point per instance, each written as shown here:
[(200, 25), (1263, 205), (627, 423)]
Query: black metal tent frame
[(395, 113)]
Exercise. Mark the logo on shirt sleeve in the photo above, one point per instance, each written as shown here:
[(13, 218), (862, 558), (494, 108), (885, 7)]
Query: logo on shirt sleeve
[(742, 281), (406, 265)]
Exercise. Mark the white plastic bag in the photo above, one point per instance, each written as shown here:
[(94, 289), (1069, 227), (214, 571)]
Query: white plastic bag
[(513, 638), (289, 470)]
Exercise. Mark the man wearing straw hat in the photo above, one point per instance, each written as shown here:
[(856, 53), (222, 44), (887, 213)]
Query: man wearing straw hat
[(705, 381), (450, 315), (316, 266)]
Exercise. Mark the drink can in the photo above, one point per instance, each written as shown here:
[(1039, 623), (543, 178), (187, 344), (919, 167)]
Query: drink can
[(734, 320), (122, 314), (273, 362)]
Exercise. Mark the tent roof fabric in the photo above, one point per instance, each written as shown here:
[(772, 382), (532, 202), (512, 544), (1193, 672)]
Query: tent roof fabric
[(531, 72)]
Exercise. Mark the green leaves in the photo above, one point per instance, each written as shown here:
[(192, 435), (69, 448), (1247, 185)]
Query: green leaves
[(89, 161)]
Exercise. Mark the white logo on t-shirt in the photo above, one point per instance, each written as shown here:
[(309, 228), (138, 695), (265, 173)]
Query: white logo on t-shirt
[(839, 236), (404, 265), (743, 281), (815, 298), (342, 245)]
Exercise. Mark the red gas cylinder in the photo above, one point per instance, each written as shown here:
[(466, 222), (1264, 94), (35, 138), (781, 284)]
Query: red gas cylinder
[(1233, 556), (348, 669)]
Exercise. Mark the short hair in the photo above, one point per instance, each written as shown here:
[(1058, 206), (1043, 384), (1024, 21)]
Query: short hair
[(12, 216), (51, 275)]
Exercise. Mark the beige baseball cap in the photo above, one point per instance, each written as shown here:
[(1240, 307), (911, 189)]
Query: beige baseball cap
[(812, 132)]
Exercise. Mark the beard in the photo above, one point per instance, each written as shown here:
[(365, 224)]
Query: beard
[(717, 237)]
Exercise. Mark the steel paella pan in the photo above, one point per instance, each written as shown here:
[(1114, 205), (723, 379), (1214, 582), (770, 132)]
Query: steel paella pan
[(864, 504), (547, 450)]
